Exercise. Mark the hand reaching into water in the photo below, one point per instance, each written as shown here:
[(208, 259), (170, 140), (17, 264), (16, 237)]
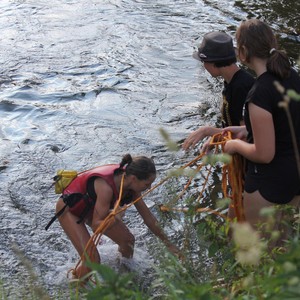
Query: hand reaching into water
[(175, 251)]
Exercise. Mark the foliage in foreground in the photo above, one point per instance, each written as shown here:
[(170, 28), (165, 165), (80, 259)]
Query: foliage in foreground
[(238, 266), (242, 269)]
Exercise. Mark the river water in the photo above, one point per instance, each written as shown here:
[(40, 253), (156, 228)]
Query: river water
[(84, 82)]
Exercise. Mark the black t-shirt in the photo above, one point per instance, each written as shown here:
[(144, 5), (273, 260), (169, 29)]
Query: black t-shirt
[(265, 95), (234, 96)]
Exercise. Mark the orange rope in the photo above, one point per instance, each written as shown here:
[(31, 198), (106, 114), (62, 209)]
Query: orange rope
[(164, 208), (204, 184), (232, 174)]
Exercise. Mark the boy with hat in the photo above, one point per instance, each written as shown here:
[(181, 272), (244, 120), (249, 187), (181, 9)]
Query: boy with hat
[(218, 56)]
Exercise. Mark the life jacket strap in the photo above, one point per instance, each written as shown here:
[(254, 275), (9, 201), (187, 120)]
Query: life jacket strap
[(70, 200), (59, 213)]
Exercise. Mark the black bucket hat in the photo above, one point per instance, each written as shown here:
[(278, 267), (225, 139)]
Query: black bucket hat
[(216, 46)]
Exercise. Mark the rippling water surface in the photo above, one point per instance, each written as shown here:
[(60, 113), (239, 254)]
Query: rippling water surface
[(84, 82)]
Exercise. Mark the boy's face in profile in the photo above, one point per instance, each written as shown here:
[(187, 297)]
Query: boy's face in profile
[(211, 69)]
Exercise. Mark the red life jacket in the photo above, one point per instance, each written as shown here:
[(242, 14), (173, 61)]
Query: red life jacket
[(75, 195), (79, 186)]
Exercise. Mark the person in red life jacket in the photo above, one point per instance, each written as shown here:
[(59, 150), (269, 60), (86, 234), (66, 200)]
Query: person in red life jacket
[(100, 189)]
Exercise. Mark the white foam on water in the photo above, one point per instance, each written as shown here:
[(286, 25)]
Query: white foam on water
[(110, 256), (58, 274), (139, 263)]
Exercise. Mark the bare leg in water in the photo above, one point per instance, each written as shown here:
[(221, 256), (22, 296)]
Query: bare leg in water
[(80, 236)]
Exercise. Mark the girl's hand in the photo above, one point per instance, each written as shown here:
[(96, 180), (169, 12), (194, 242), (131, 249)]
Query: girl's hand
[(198, 135), (238, 132), (206, 148), (193, 139), (175, 251), (229, 147)]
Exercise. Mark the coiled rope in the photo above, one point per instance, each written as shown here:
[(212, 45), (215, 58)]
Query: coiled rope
[(232, 175)]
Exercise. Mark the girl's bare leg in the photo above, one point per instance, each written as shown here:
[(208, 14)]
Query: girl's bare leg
[(254, 202), (78, 235), (121, 235)]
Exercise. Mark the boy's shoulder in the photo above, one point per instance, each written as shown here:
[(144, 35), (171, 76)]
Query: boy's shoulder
[(242, 76)]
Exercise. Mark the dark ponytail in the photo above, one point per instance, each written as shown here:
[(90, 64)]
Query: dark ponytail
[(141, 166), (127, 159), (279, 64)]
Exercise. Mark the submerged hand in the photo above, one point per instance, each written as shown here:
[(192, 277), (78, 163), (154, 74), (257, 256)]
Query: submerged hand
[(175, 251)]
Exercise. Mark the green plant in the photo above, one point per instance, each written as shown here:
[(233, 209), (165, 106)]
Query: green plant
[(111, 285)]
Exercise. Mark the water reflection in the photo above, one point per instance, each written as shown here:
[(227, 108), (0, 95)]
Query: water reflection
[(282, 16)]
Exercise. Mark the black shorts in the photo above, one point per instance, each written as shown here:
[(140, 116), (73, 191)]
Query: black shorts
[(278, 182)]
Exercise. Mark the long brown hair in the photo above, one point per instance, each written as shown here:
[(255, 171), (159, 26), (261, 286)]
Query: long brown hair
[(259, 40)]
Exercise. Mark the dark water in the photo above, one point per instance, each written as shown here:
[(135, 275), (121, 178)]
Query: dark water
[(84, 82)]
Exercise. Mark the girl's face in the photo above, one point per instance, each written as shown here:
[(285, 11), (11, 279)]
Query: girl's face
[(139, 186)]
